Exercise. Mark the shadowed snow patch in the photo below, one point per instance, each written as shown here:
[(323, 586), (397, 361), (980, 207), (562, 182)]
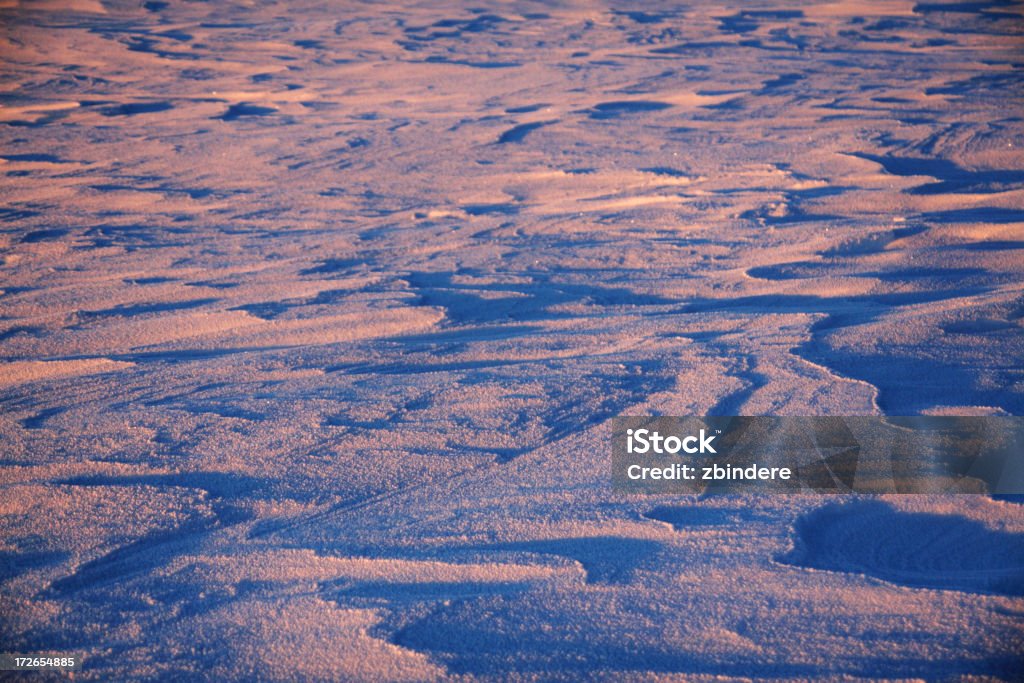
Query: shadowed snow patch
[(925, 550), (606, 559)]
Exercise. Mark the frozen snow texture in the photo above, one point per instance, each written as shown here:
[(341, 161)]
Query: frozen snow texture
[(313, 315)]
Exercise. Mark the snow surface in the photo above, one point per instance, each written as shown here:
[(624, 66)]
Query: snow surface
[(313, 316)]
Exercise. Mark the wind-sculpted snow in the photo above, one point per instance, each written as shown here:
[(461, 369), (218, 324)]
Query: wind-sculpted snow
[(313, 316)]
